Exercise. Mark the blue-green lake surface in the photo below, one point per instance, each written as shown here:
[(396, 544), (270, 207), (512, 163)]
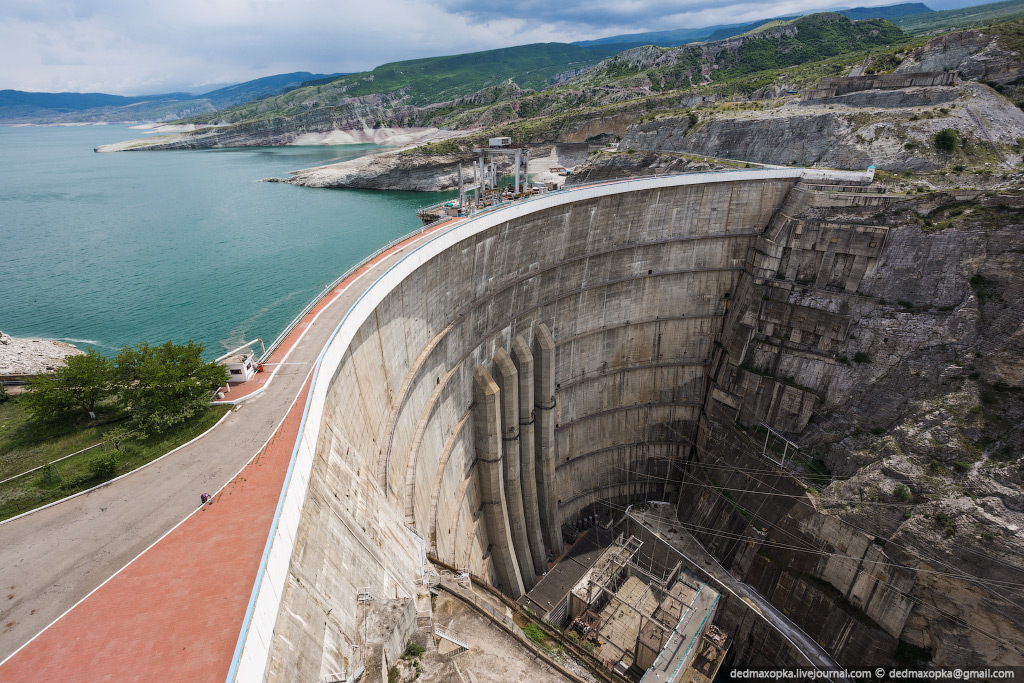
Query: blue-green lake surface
[(111, 249)]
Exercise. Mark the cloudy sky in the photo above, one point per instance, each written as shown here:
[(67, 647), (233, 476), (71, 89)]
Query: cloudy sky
[(130, 47)]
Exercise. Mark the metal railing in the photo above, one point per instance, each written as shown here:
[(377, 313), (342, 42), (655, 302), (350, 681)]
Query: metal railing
[(243, 346), (449, 636), (438, 205), (36, 469)]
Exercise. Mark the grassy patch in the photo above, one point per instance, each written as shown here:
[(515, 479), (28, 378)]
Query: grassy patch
[(25, 445), (948, 522), (535, 633)]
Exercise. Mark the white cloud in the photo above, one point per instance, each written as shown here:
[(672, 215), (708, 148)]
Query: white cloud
[(131, 47)]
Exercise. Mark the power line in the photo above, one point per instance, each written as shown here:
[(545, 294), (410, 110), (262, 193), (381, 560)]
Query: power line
[(846, 558), (905, 594), (711, 531), (825, 501)]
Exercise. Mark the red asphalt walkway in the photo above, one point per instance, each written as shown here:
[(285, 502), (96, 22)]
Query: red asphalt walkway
[(175, 612)]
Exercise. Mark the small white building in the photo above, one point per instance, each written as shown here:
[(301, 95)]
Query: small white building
[(241, 368)]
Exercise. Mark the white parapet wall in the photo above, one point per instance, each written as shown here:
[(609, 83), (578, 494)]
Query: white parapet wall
[(252, 652)]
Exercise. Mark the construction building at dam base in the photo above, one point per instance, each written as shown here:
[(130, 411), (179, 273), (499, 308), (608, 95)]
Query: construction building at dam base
[(645, 621)]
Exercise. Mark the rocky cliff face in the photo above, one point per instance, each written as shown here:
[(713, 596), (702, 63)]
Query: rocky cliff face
[(612, 166), (894, 130), (974, 55), (409, 170), (878, 335)]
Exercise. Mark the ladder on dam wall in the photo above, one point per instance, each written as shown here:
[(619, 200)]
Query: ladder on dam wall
[(341, 677), (460, 644)]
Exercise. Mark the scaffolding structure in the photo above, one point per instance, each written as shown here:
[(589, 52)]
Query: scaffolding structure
[(486, 181)]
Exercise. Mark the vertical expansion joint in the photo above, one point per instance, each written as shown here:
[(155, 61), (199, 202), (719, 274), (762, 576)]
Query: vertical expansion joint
[(523, 359), (508, 380), (489, 452), (507, 377), (544, 437)]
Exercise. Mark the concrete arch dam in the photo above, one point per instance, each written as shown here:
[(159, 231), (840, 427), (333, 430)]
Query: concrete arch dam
[(500, 381)]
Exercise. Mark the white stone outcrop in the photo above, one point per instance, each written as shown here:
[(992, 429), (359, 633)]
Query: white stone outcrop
[(32, 356)]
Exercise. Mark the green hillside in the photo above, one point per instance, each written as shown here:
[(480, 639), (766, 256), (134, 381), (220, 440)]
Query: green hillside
[(74, 101), (684, 36), (818, 37), (260, 87), (438, 79), (502, 87), (960, 18), (44, 107), (888, 12), (483, 90), (420, 82)]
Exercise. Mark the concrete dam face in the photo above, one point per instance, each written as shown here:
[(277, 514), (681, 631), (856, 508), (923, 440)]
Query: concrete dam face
[(560, 358)]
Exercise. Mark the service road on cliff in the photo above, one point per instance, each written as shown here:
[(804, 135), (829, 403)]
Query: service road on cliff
[(52, 558)]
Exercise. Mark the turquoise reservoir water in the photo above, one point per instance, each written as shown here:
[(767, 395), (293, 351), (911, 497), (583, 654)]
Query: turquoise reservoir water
[(114, 249)]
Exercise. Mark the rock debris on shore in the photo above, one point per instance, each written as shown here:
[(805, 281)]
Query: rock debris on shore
[(32, 356)]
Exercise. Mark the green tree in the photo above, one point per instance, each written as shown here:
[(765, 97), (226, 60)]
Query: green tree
[(80, 383), (947, 139), (166, 385), (45, 400), (118, 438)]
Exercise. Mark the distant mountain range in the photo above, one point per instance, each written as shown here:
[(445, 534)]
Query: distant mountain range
[(455, 85), (478, 76), (17, 106), (684, 36)]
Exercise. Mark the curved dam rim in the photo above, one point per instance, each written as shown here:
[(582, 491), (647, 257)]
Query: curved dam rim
[(256, 633)]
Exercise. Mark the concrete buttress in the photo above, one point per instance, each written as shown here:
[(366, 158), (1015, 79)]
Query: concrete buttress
[(508, 383), (487, 446), (523, 358), (544, 398)]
